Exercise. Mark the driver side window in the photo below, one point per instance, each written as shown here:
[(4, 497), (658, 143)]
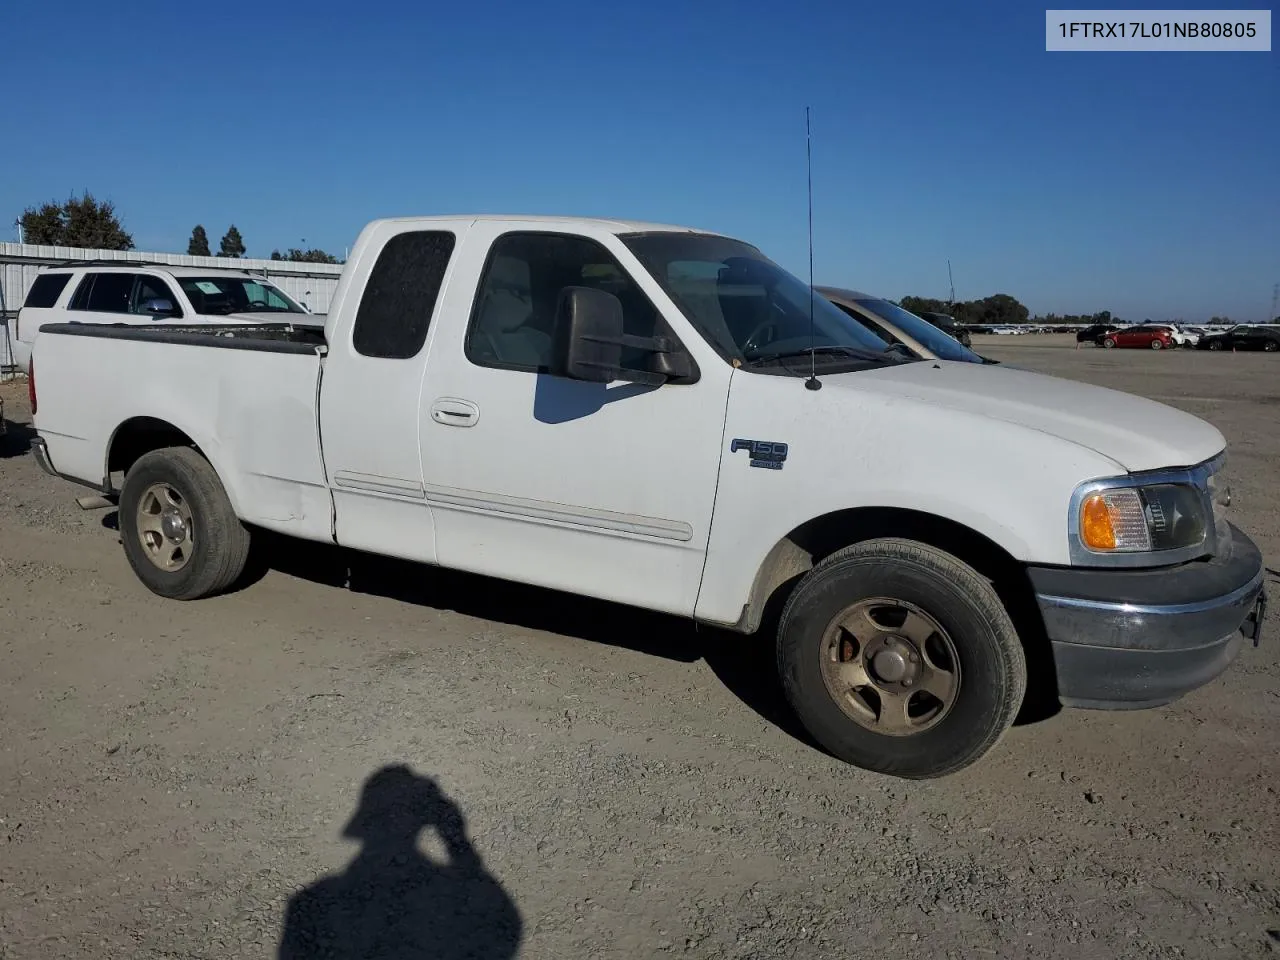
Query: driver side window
[(148, 288), (513, 320)]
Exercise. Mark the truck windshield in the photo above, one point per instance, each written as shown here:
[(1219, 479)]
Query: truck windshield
[(748, 307), (942, 345), (223, 295)]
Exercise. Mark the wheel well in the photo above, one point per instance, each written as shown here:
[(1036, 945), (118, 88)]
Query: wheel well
[(813, 541), (139, 436)]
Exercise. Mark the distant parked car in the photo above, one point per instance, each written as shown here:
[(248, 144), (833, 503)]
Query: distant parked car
[(1244, 337), (1182, 336), (947, 324), (894, 324), (1150, 337), (1095, 333), (118, 292)]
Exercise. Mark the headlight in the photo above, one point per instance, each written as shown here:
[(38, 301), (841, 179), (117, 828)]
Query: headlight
[(1164, 516), (1151, 519)]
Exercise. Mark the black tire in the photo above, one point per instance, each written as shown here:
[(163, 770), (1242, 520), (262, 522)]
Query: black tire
[(1157, 345), (992, 665), (1271, 346), (1215, 344), (219, 541), (1108, 343)]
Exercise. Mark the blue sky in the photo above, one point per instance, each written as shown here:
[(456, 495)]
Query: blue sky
[(1147, 184)]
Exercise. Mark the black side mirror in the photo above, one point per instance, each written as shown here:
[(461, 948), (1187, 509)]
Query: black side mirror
[(588, 335), (159, 308), (589, 340)]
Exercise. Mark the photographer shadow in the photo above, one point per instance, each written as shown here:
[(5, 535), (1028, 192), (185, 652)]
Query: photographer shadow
[(393, 901)]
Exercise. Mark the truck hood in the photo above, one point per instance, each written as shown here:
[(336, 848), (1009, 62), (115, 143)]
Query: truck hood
[(1138, 434)]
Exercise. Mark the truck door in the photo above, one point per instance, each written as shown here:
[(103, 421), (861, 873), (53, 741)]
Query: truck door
[(371, 387), (603, 489)]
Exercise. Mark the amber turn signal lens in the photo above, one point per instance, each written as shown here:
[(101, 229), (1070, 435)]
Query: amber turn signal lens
[(1096, 529)]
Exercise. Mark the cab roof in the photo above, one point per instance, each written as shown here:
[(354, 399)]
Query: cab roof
[(601, 223)]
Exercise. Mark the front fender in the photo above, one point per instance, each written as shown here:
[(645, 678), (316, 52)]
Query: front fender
[(1008, 482)]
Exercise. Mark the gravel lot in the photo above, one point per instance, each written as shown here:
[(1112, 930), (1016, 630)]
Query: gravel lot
[(209, 779)]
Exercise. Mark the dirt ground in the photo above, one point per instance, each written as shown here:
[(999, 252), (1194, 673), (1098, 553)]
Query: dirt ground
[(349, 753)]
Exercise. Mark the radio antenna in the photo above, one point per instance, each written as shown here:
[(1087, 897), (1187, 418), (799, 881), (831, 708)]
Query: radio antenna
[(813, 383)]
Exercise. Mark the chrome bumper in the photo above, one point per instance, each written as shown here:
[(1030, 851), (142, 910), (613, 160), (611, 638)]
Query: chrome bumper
[(1131, 639), (40, 451)]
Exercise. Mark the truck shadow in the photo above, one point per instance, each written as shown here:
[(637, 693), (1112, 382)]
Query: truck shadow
[(744, 664), (394, 901), (16, 439)]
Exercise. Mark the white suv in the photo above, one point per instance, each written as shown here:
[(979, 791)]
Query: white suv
[(134, 293), (1181, 337)]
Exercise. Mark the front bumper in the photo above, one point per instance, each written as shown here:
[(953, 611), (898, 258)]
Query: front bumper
[(1126, 639)]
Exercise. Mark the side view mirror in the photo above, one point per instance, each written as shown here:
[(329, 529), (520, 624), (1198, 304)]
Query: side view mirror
[(589, 341), (159, 308)]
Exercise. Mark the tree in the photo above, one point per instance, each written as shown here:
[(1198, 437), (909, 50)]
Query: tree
[(996, 310), (304, 256), (79, 222), (198, 246), (232, 244)]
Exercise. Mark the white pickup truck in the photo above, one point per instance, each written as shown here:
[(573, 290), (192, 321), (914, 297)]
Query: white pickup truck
[(653, 415)]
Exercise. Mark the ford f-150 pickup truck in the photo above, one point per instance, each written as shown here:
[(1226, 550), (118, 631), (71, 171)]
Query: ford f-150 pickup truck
[(665, 418)]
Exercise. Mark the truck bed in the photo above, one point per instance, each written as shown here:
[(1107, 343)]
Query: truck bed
[(245, 396)]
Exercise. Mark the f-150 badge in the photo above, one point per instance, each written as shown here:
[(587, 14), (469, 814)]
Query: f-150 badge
[(763, 454)]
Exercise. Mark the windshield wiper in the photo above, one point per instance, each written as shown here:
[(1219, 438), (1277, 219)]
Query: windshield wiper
[(856, 353)]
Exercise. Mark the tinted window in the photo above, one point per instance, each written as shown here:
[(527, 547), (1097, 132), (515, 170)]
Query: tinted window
[(151, 288), (395, 311), (80, 299), (110, 292), (939, 343), (513, 322), (45, 291)]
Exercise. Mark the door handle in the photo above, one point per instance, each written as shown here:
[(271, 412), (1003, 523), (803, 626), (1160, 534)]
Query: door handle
[(455, 413)]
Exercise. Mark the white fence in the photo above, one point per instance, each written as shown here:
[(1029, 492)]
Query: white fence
[(311, 284)]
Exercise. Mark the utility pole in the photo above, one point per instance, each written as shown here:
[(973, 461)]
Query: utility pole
[(951, 302), (1275, 299)]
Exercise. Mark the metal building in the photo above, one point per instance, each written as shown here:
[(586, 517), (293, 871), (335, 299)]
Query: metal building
[(311, 284)]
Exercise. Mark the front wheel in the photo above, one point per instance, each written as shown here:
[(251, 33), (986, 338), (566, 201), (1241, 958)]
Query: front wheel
[(180, 533), (1108, 343), (1215, 344), (899, 658)]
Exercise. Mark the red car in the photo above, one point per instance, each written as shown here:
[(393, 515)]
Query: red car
[(1152, 338)]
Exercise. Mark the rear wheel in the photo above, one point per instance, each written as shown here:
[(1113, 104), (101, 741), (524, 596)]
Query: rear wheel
[(1157, 345), (899, 658), (1271, 346), (180, 533)]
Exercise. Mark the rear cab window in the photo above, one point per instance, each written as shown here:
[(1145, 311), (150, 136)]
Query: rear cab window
[(400, 296)]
